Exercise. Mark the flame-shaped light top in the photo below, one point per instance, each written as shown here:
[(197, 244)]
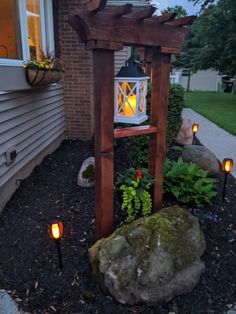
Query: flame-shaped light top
[(227, 165), (55, 230), (195, 128)]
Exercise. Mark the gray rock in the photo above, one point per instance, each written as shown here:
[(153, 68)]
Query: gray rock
[(152, 259), (8, 305), (185, 134), (86, 176), (203, 157)]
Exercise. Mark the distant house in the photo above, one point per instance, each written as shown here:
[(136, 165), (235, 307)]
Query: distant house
[(34, 121), (208, 80)]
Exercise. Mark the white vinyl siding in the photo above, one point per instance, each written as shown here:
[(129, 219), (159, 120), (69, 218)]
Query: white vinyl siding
[(30, 122), (121, 57)]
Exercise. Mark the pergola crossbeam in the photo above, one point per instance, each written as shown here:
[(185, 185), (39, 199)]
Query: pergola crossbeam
[(96, 44), (122, 30)]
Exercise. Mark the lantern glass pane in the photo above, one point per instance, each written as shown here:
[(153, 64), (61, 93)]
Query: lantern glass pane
[(126, 99), (142, 93)]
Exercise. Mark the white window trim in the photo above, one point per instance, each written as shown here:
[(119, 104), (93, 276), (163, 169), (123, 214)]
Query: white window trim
[(46, 12), (49, 26)]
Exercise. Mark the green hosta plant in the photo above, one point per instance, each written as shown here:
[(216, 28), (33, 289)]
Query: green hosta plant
[(136, 198), (188, 183)]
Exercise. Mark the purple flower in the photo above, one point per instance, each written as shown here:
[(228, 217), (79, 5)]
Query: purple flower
[(213, 218)]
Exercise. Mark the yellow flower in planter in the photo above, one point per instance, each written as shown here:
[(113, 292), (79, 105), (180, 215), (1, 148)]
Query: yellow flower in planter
[(45, 71)]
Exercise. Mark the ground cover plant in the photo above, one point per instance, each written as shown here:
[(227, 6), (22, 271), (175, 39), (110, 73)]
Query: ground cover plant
[(29, 266), (220, 108), (188, 183)]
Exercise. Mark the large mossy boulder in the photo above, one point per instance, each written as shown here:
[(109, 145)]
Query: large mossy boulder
[(203, 157), (152, 259)]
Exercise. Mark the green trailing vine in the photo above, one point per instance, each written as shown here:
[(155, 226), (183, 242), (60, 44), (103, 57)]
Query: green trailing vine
[(136, 198)]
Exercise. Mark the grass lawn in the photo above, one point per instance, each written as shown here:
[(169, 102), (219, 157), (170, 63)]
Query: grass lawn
[(220, 108)]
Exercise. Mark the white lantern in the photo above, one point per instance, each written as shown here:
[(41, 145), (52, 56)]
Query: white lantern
[(130, 94)]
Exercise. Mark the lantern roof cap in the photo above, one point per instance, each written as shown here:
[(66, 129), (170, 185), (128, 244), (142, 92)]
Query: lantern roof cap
[(132, 69)]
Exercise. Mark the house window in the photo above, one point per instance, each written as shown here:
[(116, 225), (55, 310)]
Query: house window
[(26, 30), (10, 34), (34, 28)]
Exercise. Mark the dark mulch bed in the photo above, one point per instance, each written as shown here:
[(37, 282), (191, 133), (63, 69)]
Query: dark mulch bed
[(28, 261)]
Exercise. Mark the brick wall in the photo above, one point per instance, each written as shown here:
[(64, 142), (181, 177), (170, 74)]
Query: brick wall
[(78, 84)]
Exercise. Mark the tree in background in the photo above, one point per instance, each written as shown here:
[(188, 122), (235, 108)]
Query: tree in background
[(204, 3), (184, 60), (214, 34), (181, 12)]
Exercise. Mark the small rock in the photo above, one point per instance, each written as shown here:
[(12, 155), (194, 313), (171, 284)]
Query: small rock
[(86, 176), (185, 134), (8, 305), (151, 260), (203, 157)]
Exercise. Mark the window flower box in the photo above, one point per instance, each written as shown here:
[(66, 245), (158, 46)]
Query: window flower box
[(36, 77), (47, 70)]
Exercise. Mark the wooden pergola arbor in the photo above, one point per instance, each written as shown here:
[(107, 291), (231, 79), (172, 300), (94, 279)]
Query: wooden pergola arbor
[(105, 30)]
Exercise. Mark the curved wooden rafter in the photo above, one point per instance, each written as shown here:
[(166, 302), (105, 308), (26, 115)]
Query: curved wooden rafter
[(142, 13), (121, 10), (184, 21), (163, 18), (95, 22), (95, 5)]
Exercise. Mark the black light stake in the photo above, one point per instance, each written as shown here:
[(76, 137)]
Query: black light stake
[(55, 231), (195, 129), (227, 167), (58, 246)]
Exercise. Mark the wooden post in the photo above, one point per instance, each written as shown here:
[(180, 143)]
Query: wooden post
[(103, 61), (158, 118)]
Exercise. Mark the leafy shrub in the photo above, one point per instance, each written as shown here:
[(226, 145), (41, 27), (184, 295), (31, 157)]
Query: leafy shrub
[(176, 104), (188, 183), (135, 186), (137, 146)]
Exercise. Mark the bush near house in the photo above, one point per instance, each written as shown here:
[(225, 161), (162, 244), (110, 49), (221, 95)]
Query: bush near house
[(137, 146)]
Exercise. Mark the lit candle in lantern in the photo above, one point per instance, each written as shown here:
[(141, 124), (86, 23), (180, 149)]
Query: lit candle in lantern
[(129, 105), (130, 93)]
